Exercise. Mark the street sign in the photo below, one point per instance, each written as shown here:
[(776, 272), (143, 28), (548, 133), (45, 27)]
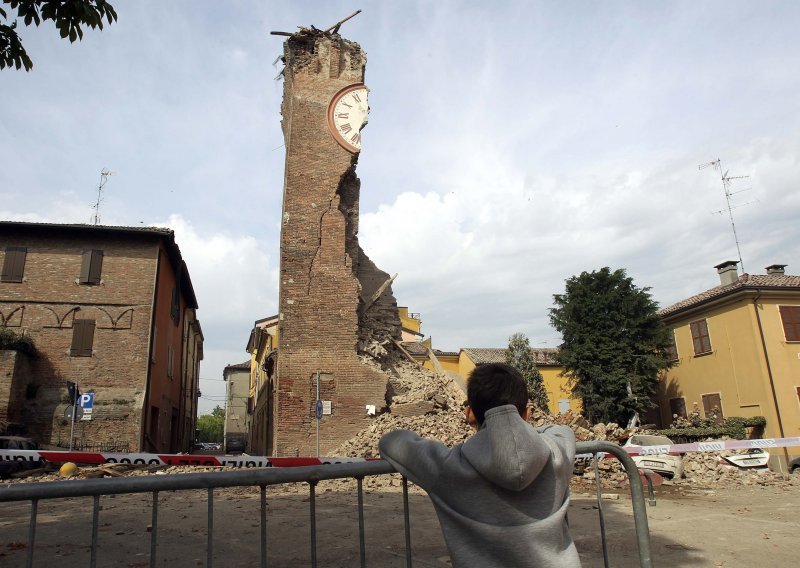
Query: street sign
[(327, 407), (319, 409), (86, 402), (70, 409), (73, 391)]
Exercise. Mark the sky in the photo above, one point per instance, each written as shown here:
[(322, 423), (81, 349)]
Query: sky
[(510, 146)]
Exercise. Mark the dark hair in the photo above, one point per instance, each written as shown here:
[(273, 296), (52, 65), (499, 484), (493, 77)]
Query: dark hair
[(495, 384)]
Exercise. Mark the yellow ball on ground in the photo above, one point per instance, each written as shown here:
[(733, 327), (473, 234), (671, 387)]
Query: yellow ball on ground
[(68, 470)]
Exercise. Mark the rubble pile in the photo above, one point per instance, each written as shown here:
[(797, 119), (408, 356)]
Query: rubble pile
[(708, 468), (430, 405), (446, 426)]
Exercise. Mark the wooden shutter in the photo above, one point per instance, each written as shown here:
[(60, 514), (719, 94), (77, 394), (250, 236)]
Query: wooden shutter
[(82, 338), (672, 349), (711, 401), (790, 315), (91, 266), (700, 337), (14, 264), (175, 308)]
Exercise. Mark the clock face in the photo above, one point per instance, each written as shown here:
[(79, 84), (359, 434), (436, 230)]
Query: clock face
[(347, 115)]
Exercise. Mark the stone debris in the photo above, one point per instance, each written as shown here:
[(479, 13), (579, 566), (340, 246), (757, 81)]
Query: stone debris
[(429, 404)]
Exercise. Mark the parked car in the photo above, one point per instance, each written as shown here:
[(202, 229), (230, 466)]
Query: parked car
[(235, 445), (7, 467), (755, 457), (794, 466), (663, 464)]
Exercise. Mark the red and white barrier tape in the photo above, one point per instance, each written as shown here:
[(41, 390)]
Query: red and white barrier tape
[(715, 446), (98, 458)]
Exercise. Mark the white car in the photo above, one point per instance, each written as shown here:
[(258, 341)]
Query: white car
[(752, 458), (663, 464)]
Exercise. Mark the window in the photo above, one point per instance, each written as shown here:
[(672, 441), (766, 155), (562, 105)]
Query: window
[(91, 266), (175, 308), (790, 315), (712, 406), (14, 264), (672, 349), (700, 337), (677, 407), (82, 338)]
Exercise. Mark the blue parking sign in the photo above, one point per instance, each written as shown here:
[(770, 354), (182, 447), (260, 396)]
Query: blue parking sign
[(86, 401)]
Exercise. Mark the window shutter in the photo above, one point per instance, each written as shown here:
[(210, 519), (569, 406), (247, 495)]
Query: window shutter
[(175, 308), (700, 337), (672, 348), (710, 402), (14, 264), (96, 267), (91, 266), (790, 316), (82, 338)]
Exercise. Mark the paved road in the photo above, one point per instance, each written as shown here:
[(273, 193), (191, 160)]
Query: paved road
[(725, 527)]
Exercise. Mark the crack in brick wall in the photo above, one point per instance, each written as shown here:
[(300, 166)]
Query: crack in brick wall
[(325, 276)]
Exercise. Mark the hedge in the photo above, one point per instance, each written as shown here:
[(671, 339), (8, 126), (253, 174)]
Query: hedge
[(734, 427)]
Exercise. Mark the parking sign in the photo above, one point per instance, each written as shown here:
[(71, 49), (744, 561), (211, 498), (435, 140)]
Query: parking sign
[(86, 401)]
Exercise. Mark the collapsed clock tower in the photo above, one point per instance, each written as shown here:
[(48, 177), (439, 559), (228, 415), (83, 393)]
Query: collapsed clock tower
[(336, 307)]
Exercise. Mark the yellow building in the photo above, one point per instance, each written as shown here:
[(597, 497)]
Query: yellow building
[(262, 346), (556, 384), (737, 349), (410, 325)]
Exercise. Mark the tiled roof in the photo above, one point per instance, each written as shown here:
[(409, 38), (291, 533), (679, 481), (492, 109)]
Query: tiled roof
[(415, 347), (480, 355), (244, 365), (745, 282), (161, 231)]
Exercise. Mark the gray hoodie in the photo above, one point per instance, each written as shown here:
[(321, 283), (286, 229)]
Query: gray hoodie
[(502, 495)]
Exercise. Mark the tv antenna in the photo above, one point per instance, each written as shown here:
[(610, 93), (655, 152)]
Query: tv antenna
[(727, 181), (104, 173)]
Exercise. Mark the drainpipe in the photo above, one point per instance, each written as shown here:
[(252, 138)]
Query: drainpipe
[(769, 373)]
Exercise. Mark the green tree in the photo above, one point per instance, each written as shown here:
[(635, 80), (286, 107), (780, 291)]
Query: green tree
[(614, 343), (520, 356), (68, 16), (211, 425)]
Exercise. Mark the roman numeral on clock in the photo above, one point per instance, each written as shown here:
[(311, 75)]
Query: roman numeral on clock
[(345, 128)]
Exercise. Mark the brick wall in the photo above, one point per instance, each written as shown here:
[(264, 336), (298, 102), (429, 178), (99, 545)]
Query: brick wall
[(324, 274), (45, 305)]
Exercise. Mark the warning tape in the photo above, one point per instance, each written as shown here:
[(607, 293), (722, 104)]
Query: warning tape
[(97, 458), (715, 446)]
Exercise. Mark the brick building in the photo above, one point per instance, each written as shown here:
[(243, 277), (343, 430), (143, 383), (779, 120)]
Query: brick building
[(334, 302), (109, 308)]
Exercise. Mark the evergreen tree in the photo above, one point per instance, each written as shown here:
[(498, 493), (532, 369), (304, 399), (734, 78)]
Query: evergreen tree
[(614, 343), (519, 356)]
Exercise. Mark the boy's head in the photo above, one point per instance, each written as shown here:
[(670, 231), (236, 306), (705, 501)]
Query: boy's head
[(495, 384)]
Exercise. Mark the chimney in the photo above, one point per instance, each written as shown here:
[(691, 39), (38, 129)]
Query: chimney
[(728, 274), (775, 268)]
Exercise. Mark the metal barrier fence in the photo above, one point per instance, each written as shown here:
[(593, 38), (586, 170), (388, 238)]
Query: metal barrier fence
[(95, 488)]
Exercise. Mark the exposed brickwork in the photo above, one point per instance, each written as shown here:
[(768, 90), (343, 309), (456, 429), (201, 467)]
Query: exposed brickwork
[(324, 272), (136, 269)]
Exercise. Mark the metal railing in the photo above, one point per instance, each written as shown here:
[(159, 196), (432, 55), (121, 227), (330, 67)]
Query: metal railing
[(95, 488)]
